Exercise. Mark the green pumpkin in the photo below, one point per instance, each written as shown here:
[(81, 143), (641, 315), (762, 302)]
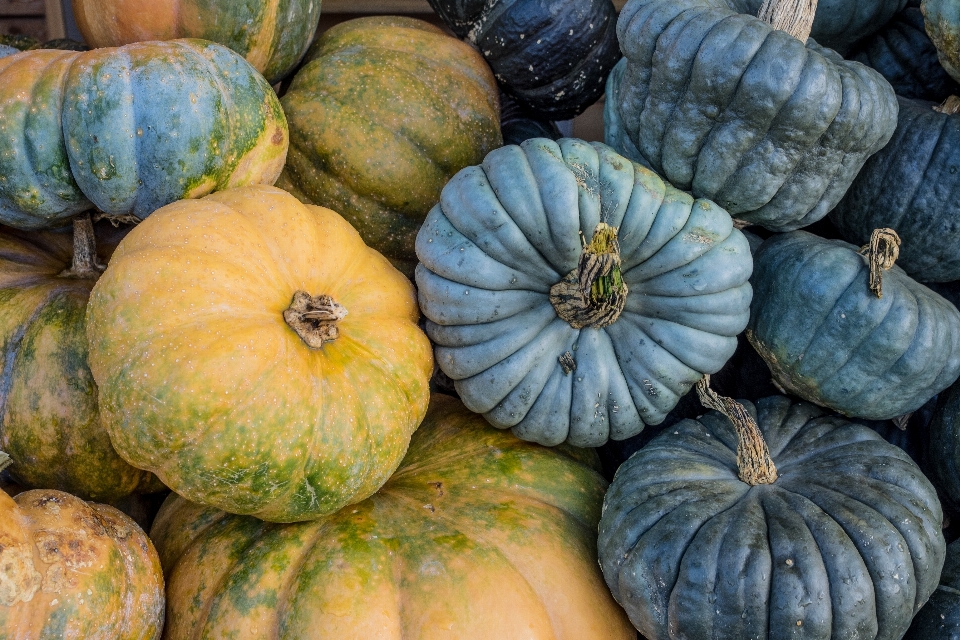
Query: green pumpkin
[(729, 109), (842, 540), (828, 338), (573, 295), (942, 21)]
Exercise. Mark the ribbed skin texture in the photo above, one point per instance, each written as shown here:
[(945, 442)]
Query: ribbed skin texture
[(913, 187), (385, 111), (614, 135), (944, 447), (846, 543), (69, 569), (477, 535), (272, 35), (49, 419), (130, 129), (828, 339), (725, 107), (904, 54), (203, 382), (552, 56), (942, 20), (505, 232), (940, 617)]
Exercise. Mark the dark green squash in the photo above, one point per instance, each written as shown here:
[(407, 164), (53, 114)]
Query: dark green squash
[(940, 617), (944, 448), (517, 124), (835, 534)]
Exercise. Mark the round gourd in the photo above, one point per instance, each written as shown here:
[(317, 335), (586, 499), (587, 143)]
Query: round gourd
[(130, 129), (69, 569), (477, 535), (573, 295), (383, 113), (913, 187), (551, 56), (828, 338), (944, 448), (942, 21), (841, 539), (940, 617), (49, 419), (727, 108), (257, 356), (272, 35)]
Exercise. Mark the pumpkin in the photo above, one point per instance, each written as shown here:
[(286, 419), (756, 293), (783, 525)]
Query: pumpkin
[(477, 535), (903, 53), (273, 36), (6, 50), (823, 531), (940, 617), (573, 295), (724, 106), (129, 129), (71, 569), (913, 187), (517, 124), (829, 337), (383, 113), (943, 448), (49, 419), (551, 56), (257, 356), (942, 21)]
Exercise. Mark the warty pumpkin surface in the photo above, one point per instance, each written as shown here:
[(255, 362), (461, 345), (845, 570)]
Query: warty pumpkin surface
[(384, 112), (477, 535), (257, 356), (507, 255), (271, 35), (71, 569)]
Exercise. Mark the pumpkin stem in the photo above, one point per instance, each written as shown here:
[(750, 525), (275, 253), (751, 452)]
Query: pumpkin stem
[(314, 318), (753, 456), (5, 461), (593, 294), (950, 106), (881, 252), (793, 16), (85, 263)]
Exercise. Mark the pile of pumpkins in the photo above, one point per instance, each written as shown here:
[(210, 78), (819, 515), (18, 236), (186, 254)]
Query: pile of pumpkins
[(400, 361)]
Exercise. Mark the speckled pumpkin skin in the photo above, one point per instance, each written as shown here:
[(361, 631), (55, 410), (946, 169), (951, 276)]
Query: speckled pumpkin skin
[(477, 535), (69, 569), (383, 114), (942, 21), (272, 35), (130, 129), (49, 419), (202, 381)]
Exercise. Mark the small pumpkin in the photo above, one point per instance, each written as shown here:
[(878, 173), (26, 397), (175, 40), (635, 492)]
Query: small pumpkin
[(830, 336), (786, 523), (573, 295), (273, 329), (71, 569), (940, 617), (383, 113), (477, 535), (272, 35), (942, 21), (518, 124)]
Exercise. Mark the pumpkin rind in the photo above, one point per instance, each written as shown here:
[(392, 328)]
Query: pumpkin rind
[(69, 569), (940, 617), (272, 36), (828, 339), (942, 21), (846, 543), (203, 382), (505, 232), (477, 534), (943, 448)]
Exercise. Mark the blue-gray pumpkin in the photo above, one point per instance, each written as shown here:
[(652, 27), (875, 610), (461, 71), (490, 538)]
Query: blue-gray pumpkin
[(829, 339), (942, 20), (943, 448), (840, 537), (940, 617), (913, 187), (724, 106), (573, 295)]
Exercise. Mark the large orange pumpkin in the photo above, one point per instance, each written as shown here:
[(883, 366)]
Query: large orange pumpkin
[(257, 356)]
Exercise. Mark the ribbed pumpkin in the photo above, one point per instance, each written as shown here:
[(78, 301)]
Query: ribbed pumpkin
[(69, 569), (727, 108), (838, 537), (272, 35), (830, 339), (942, 21), (573, 295), (49, 420), (257, 356), (129, 129), (944, 447), (940, 617), (517, 124), (551, 56), (385, 111), (477, 535)]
